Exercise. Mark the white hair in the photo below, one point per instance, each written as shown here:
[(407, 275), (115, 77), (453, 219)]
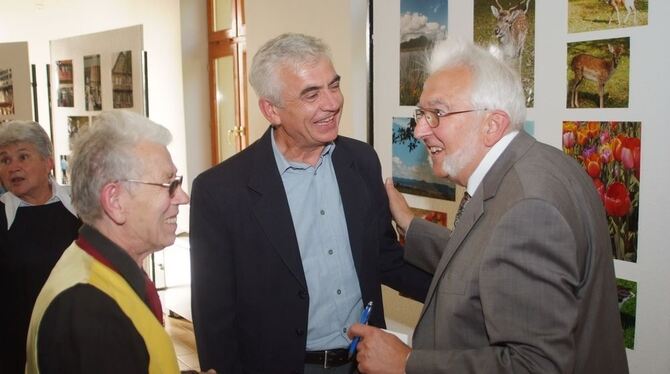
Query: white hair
[(495, 85), (288, 49), (105, 152)]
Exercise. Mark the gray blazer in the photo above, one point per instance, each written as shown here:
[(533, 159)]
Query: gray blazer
[(525, 283)]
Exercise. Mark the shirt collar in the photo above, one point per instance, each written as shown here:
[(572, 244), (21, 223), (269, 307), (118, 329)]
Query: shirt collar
[(13, 203), (283, 164), (487, 162)]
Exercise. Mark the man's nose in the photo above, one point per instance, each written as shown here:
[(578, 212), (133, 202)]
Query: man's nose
[(331, 100), (180, 196), (421, 129)]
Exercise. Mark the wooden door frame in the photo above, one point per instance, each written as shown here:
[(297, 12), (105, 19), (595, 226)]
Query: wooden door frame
[(223, 43)]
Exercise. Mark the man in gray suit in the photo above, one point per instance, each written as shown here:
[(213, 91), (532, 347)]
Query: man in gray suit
[(525, 281)]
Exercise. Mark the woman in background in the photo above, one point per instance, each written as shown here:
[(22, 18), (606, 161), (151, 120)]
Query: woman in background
[(37, 223)]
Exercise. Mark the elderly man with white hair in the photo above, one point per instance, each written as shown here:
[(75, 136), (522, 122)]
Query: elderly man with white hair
[(524, 283), (99, 312)]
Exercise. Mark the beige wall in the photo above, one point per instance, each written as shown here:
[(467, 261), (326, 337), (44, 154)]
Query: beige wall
[(341, 24)]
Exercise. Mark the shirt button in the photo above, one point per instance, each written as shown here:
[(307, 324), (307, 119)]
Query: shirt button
[(339, 292), (344, 330), (323, 212), (302, 294), (299, 332), (330, 251)]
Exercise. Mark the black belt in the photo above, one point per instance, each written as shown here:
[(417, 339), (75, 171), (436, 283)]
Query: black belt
[(328, 358)]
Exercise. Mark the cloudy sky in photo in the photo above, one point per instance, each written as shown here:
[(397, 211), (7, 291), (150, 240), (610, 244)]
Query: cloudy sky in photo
[(412, 165), (423, 17)]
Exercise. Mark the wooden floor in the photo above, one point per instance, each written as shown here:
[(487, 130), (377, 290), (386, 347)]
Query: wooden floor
[(181, 333)]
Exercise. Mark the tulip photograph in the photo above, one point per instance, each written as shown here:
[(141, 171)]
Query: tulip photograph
[(609, 152)]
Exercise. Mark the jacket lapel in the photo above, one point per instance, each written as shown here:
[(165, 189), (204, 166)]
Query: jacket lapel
[(270, 206), (475, 207)]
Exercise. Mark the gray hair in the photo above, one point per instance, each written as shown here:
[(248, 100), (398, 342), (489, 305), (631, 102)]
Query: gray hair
[(26, 132), (285, 50), (105, 152), (495, 85)]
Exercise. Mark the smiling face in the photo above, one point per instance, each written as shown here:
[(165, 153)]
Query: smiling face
[(25, 172), (309, 114), (456, 145), (151, 218)]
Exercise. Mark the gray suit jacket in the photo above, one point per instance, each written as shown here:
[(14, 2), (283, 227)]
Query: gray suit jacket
[(525, 283)]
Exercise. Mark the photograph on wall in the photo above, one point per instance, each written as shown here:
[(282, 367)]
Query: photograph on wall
[(64, 169), (65, 84), (589, 15), (609, 152), (92, 86), (433, 216), (122, 80), (75, 124), (16, 100), (411, 168), (598, 72), (6, 92), (627, 295), (422, 23), (511, 26)]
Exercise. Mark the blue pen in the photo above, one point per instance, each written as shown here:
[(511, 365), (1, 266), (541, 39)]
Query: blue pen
[(365, 315)]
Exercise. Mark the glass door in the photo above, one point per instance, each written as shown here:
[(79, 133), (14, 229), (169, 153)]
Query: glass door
[(227, 78)]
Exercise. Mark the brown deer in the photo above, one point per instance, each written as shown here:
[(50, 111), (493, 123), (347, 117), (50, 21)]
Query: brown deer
[(511, 29), (629, 5), (595, 69)]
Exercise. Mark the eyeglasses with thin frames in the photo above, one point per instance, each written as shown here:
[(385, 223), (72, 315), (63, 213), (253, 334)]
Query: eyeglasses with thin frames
[(171, 186), (433, 116)]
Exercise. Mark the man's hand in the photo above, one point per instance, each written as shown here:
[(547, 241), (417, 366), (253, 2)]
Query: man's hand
[(379, 351), (402, 214)]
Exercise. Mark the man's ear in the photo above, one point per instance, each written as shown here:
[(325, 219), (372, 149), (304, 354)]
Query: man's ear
[(269, 111), (111, 202), (50, 164), (496, 127)]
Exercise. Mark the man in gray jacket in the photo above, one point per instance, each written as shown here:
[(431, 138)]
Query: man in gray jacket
[(525, 281)]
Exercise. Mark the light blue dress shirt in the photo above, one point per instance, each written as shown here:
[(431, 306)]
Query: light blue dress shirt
[(321, 229)]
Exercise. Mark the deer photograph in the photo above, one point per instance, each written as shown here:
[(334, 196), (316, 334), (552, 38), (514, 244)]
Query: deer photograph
[(628, 5), (591, 15), (597, 70), (510, 25), (511, 29)]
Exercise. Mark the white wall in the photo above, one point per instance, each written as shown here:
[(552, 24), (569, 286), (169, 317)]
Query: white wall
[(196, 87), (40, 21)]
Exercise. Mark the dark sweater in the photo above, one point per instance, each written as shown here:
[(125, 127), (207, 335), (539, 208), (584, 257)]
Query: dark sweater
[(28, 252)]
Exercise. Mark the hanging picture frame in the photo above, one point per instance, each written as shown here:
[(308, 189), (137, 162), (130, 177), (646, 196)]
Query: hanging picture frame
[(91, 73)]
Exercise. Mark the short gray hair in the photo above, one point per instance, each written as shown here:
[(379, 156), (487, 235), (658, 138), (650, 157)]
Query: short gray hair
[(105, 152), (288, 49), (15, 131), (495, 85)]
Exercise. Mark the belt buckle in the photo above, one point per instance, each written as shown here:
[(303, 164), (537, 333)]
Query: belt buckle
[(325, 359)]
